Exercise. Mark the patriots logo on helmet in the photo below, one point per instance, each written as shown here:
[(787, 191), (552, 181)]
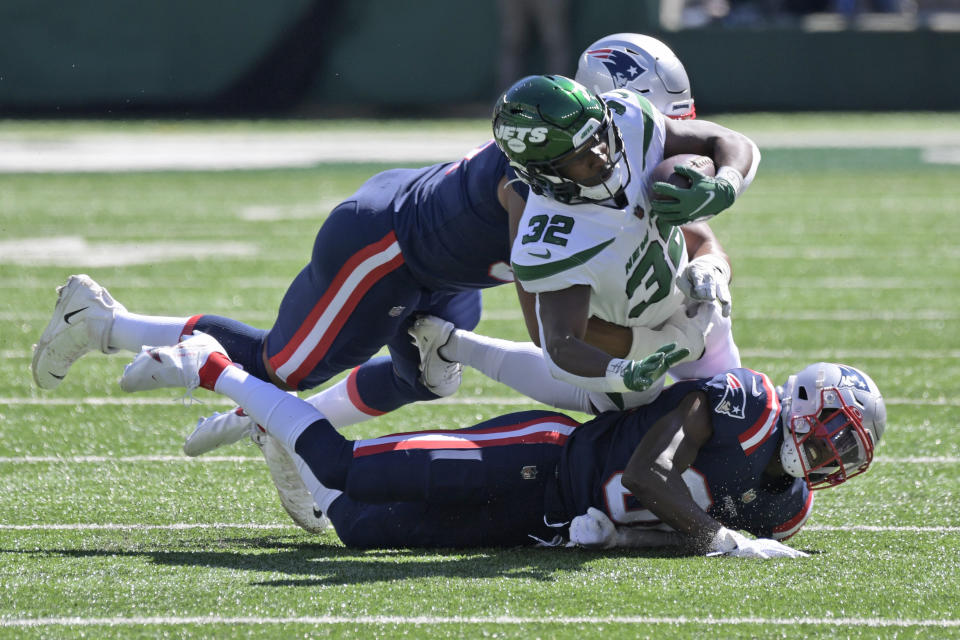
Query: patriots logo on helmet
[(622, 66), (850, 377), (734, 400)]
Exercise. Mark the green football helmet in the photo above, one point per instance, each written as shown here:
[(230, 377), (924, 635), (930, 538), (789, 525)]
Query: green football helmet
[(541, 123)]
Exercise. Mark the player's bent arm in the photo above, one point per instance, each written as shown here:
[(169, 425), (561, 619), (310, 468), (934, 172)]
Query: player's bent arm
[(610, 338), (701, 241), (708, 275), (653, 475), (562, 317), (654, 472), (727, 147), (613, 339), (619, 341)]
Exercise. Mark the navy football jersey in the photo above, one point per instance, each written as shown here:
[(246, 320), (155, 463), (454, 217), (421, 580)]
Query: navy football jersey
[(726, 479), (451, 228)]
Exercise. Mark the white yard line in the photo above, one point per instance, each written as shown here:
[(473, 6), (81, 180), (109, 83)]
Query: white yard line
[(197, 151), (259, 621), (181, 526)]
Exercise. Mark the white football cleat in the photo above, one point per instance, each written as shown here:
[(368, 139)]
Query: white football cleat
[(294, 496), (81, 322), (437, 374), (176, 366), (218, 430)]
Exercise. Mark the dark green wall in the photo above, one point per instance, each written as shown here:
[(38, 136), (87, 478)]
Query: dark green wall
[(66, 55), (422, 56), (790, 70)]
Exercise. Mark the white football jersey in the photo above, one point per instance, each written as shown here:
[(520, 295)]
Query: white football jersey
[(628, 260)]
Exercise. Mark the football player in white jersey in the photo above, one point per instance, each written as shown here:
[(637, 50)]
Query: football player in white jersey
[(649, 67), (591, 239)]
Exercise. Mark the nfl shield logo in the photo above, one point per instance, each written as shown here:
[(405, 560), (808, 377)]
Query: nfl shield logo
[(529, 472)]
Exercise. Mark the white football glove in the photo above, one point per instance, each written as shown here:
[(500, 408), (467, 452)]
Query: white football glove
[(706, 279), (593, 529), (727, 542)]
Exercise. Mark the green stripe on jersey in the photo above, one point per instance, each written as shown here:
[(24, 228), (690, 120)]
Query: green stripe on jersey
[(647, 109), (540, 271)]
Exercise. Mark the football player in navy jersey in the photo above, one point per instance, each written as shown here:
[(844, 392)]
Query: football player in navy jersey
[(409, 240), (706, 460)]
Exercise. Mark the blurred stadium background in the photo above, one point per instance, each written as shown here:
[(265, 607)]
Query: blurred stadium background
[(436, 58)]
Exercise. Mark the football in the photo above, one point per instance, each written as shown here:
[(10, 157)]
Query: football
[(663, 172)]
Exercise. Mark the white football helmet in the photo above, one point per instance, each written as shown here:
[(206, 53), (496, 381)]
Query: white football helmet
[(640, 63), (833, 416)]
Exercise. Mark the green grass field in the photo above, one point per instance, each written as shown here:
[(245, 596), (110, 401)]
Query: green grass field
[(107, 530)]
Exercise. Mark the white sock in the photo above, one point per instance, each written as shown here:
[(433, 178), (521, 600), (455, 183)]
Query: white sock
[(338, 407), (519, 365), (323, 496), (284, 416), (132, 331)]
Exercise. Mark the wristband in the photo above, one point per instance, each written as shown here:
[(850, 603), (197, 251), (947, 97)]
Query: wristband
[(615, 370), (733, 177)]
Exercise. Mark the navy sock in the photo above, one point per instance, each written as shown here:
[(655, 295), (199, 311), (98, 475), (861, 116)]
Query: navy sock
[(327, 453), (381, 387)]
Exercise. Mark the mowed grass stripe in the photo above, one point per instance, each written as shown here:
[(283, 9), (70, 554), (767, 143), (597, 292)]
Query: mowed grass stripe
[(475, 620)]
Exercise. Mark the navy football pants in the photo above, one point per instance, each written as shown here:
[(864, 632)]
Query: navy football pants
[(480, 486)]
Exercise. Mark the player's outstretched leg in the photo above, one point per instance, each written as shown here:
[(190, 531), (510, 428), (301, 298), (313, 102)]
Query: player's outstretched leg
[(195, 362), (345, 403), (218, 430), (201, 361), (342, 405), (82, 318)]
